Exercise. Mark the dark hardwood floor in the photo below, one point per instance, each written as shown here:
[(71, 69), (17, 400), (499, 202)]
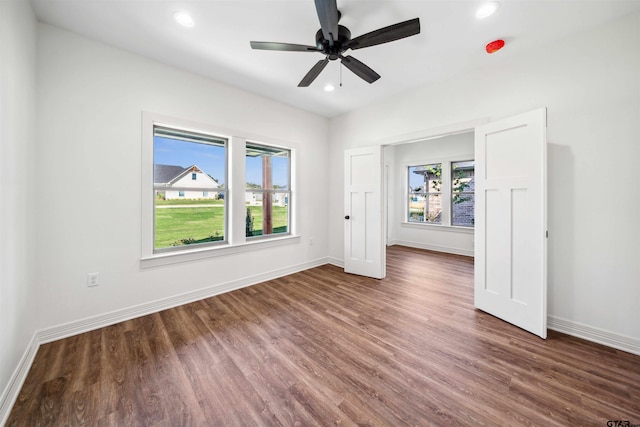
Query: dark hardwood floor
[(322, 347)]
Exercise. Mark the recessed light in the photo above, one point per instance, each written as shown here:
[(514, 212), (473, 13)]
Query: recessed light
[(184, 19), (487, 9), (329, 87)]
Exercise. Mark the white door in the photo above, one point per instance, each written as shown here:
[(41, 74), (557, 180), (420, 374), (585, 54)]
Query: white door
[(511, 220), (364, 250)]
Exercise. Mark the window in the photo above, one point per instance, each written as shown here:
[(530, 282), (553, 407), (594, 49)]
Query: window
[(462, 193), (181, 214), (441, 193), (220, 212), (425, 195), (267, 191)]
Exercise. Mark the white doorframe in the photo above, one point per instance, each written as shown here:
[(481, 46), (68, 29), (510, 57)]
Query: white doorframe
[(432, 134), (385, 197), (429, 134), (426, 134)]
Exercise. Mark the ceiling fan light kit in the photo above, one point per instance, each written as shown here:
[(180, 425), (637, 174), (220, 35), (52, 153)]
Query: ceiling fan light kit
[(332, 40)]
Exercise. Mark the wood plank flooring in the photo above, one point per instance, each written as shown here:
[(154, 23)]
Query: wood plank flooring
[(322, 347)]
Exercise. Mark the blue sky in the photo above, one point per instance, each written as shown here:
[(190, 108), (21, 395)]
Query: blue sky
[(415, 180), (280, 170), (210, 159)]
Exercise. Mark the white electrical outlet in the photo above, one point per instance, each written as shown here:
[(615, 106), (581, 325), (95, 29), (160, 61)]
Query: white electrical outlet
[(93, 279)]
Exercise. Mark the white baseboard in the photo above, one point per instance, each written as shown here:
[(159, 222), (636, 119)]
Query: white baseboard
[(94, 322), (11, 391), (335, 261), (597, 335), (340, 262), (447, 249), (579, 330), (43, 336)]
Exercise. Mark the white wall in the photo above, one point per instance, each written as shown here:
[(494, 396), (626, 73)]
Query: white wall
[(17, 141), (456, 240), (90, 101), (591, 86), (88, 126)]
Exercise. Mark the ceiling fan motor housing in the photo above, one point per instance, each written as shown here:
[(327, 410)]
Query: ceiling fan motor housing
[(333, 52), (333, 39)]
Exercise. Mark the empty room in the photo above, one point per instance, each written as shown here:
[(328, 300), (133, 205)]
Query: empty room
[(321, 212)]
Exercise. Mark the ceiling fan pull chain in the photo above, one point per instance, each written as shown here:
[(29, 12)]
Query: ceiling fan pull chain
[(340, 73)]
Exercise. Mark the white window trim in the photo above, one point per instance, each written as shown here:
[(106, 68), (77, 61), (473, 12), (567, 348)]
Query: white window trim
[(194, 254), (439, 227), (236, 240), (289, 191), (445, 191)]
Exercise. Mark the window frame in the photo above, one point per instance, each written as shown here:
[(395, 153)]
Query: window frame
[(234, 195), (446, 191), (272, 191), (462, 193), (181, 190), (426, 193)]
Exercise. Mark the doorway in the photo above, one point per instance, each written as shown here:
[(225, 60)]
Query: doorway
[(510, 268), (429, 188)]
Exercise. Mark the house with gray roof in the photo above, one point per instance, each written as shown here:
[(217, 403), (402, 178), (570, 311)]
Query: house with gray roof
[(177, 182)]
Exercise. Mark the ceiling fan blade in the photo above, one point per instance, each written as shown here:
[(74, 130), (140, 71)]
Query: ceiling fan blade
[(328, 16), (283, 47), (386, 34), (313, 73), (360, 69)]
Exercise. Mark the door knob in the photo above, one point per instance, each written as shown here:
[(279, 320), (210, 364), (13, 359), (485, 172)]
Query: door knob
[(346, 217)]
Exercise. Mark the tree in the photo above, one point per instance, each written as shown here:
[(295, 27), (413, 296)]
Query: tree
[(249, 224), (459, 186), (437, 173)]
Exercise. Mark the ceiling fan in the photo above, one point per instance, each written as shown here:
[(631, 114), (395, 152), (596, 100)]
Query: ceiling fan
[(332, 40)]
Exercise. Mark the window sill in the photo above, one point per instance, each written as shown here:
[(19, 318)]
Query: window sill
[(157, 260), (439, 227)]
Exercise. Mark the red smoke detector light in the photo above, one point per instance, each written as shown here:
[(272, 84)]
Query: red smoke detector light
[(494, 46)]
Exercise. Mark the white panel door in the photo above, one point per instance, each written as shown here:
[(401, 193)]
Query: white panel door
[(364, 250), (511, 220)]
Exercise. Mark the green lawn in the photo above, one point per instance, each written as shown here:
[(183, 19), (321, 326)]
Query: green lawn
[(279, 219), (183, 226)]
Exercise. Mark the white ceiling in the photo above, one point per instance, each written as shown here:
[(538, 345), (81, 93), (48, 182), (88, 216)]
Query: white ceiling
[(452, 39)]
